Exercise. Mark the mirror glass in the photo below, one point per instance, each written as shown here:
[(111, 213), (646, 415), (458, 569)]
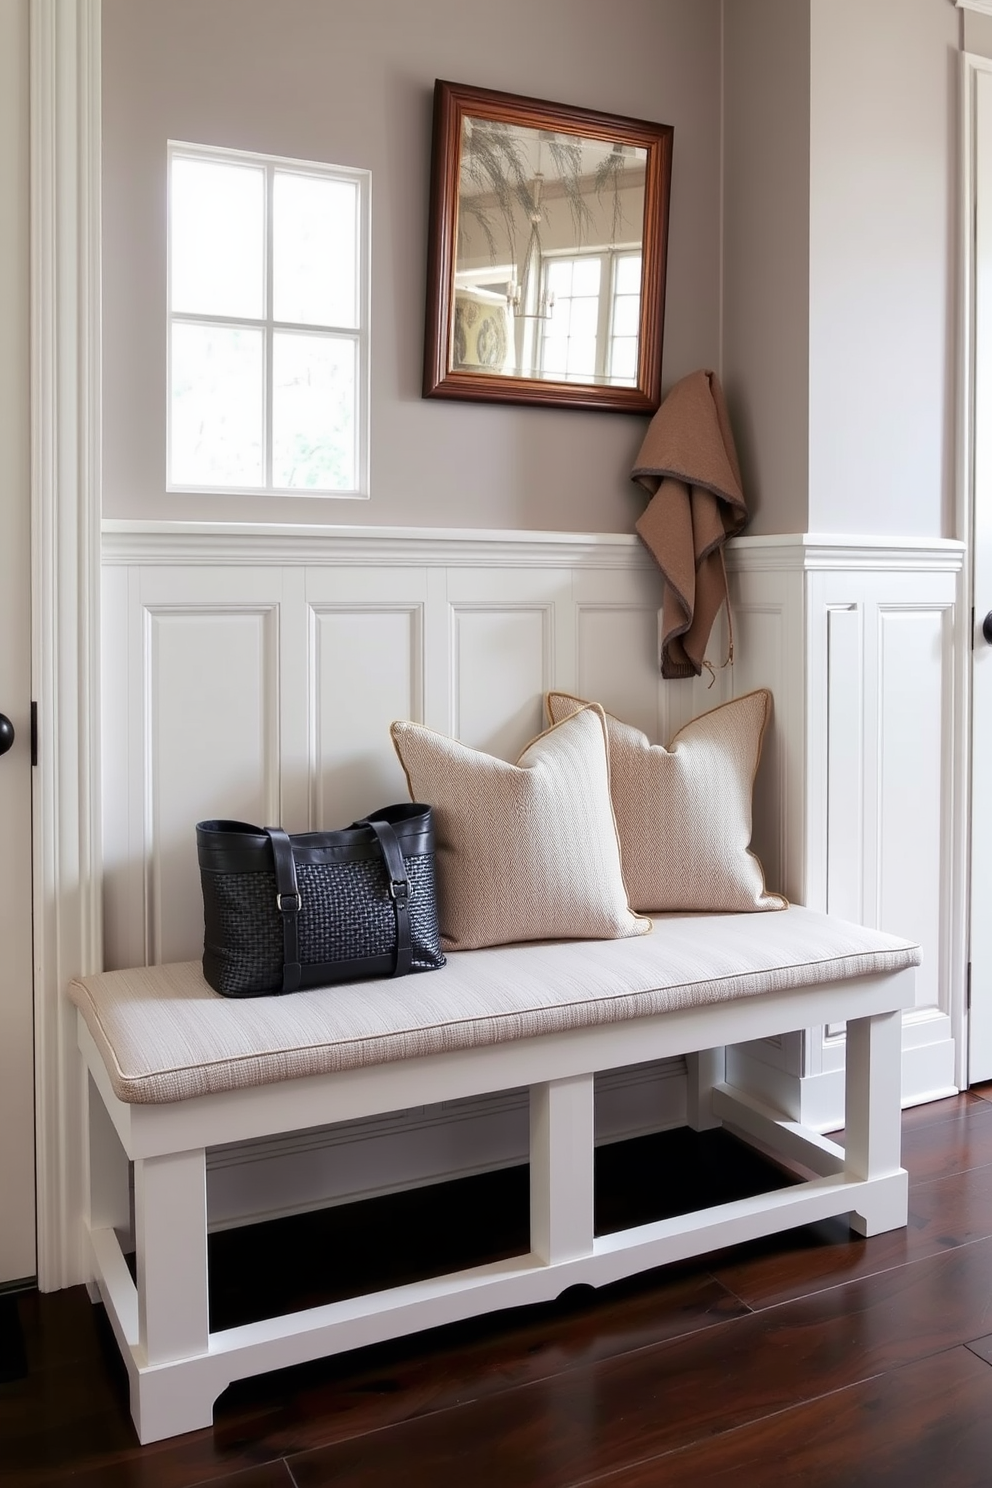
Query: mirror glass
[(547, 253)]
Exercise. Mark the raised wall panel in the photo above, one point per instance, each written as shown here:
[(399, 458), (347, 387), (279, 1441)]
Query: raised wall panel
[(121, 755), (769, 651), (615, 646), (910, 790), (617, 651), (212, 731), (759, 661), (366, 671), (845, 764), (502, 664)]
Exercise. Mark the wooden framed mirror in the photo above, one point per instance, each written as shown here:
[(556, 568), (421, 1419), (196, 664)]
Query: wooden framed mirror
[(546, 253)]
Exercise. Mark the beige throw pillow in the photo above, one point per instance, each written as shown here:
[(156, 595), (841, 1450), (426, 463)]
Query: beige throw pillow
[(526, 851), (684, 813)]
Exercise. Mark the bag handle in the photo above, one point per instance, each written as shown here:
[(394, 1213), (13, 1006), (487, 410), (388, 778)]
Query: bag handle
[(399, 890), (289, 902)]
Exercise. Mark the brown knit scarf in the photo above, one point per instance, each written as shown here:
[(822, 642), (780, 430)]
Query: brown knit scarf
[(689, 464)]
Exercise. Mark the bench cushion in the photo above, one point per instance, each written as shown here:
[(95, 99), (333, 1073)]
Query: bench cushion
[(166, 1036)]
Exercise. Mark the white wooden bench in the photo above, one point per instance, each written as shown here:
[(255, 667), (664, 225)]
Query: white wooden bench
[(174, 1070)]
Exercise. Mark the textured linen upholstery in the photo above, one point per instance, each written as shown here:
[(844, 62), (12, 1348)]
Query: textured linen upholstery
[(684, 813), (166, 1036), (526, 851)]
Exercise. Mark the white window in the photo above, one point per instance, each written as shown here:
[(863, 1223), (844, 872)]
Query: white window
[(591, 331), (268, 324)]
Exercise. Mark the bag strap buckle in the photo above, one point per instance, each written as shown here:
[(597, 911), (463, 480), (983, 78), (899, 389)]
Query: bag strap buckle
[(289, 903), (399, 889)]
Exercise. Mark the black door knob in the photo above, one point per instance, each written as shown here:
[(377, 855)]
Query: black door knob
[(987, 627), (6, 733)]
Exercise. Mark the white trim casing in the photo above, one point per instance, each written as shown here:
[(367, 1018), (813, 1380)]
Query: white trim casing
[(65, 458), (971, 445), (984, 7)]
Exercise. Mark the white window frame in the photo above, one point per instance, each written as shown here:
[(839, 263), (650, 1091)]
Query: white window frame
[(608, 257), (360, 335)]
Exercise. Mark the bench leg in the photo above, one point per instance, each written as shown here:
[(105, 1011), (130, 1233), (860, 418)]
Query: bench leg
[(704, 1069), (170, 1203), (170, 1211), (873, 1138), (561, 1169), (107, 1189)]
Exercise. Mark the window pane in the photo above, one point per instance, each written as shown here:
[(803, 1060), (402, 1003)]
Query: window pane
[(623, 363), (217, 238), (628, 274), (313, 412), (216, 413), (585, 280), (584, 318), (582, 357), (554, 357), (559, 275), (626, 309), (315, 248)]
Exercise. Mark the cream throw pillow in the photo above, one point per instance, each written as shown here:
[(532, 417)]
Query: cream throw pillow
[(526, 851), (684, 813)]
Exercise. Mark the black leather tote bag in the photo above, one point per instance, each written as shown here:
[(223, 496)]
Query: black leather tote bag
[(282, 912)]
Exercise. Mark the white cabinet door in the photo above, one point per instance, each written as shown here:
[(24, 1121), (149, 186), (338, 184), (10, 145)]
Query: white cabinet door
[(17, 1213)]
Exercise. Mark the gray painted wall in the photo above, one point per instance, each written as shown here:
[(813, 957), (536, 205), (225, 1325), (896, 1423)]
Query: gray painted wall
[(883, 251), (766, 254), (812, 254), (352, 83)]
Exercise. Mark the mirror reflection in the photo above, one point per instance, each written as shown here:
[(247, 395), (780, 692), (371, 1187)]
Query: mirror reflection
[(548, 261)]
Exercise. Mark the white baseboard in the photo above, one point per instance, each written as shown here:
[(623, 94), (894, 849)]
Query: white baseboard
[(253, 1181), (817, 1100)]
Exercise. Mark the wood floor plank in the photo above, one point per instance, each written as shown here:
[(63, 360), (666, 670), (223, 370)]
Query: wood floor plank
[(940, 1110), (982, 1347), (271, 1475), (927, 1423), (86, 1419), (660, 1369), (934, 1149), (13, 1353), (945, 1137), (943, 1213), (611, 1415)]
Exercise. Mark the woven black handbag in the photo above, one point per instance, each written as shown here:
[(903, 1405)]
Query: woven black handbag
[(284, 912)]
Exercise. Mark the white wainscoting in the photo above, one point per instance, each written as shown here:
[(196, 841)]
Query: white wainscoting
[(868, 705), (253, 673)]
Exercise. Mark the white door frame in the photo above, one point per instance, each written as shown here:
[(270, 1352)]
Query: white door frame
[(65, 544), (972, 68)]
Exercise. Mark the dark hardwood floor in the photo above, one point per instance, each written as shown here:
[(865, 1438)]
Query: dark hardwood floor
[(814, 1358)]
